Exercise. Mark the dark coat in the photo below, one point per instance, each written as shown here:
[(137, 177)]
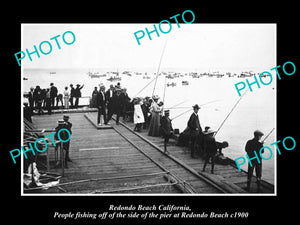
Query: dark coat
[(253, 145), (210, 145), (63, 134), (38, 94), (165, 126), (107, 96), (194, 124), (77, 92), (72, 92), (53, 92), (117, 102), (101, 101)]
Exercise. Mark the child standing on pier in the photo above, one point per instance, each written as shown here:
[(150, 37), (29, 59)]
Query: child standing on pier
[(138, 116), (166, 128)]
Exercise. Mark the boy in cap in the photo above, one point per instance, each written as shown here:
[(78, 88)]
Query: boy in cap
[(210, 148), (166, 128), (252, 148)]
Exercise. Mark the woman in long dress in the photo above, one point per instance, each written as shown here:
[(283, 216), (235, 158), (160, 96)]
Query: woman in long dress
[(94, 98), (66, 98), (138, 116), (155, 110)]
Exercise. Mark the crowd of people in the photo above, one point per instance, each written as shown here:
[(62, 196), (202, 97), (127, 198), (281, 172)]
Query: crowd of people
[(49, 98), (146, 113)]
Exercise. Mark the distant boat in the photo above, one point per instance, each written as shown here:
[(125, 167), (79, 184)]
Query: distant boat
[(185, 82), (171, 84), (115, 78), (25, 78), (52, 73), (96, 75)]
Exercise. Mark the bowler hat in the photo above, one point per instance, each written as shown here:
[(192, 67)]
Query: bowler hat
[(196, 106), (66, 117)]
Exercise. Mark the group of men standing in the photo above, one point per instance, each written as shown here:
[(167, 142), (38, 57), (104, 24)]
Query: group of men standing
[(207, 142), (112, 101), (38, 97)]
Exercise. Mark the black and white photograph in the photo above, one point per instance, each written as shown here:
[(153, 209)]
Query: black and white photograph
[(162, 117), (174, 115)]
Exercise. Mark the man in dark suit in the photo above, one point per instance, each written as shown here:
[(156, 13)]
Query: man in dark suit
[(101, 105), (195, 128), (30, 98), (166, 128), (110, 98), (118, 102), (72, 93), (53, 94), (77, 94)]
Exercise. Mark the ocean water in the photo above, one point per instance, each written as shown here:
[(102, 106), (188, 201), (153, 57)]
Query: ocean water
[(256, 110)]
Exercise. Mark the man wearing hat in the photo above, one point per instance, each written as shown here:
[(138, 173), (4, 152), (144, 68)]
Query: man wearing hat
[(195, 128), (210, 148), (166, 128), (101, 104), (53, 94), (252, 148), (66, 145), (110, 104), (64, 123), (72, 92), (77, 94), (117, 104)]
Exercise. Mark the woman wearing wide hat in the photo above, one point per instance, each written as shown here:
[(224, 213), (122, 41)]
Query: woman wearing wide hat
[(155, 110)]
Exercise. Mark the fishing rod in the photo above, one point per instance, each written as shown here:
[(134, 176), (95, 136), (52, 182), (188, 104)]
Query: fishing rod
[(155, 78), (157, 74), (174, 106), (145, 87), (192, 109), (230, 112), (268, 135), (164, 94)]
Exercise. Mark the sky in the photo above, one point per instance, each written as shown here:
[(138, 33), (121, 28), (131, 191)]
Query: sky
[(193, 46)]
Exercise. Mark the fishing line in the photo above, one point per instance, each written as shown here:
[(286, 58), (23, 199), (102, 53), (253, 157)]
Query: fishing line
[(230, 112)]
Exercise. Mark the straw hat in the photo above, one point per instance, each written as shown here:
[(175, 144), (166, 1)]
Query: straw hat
[(209, 131), (61, 122), (155, 97)]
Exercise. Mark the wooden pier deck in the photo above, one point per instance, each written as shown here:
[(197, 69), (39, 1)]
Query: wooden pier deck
[(121, 161)]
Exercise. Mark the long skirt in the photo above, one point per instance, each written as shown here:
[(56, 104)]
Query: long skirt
[(66, 102), (154, 125)]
